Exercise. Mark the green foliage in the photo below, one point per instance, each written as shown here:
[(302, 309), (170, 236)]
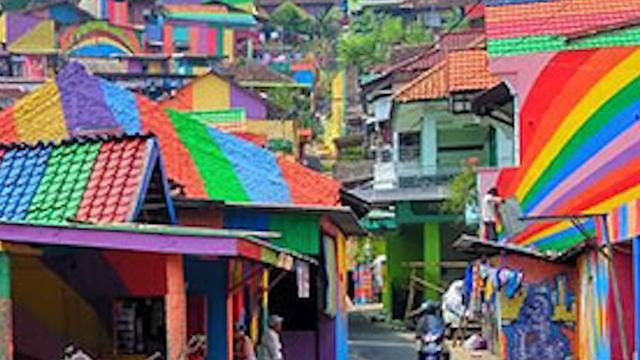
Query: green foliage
[(462, 191), (292, 105), (328, 24), (369, 247), (352, 153), (371, 37), (359, 50), (291, 19), (416, 33)]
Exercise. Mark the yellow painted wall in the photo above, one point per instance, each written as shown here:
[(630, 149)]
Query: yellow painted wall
[(228, 44), (3, 28), (211, 92), (55, 305), (333, 125), (200, 70), (40, 38), (155, 67), (275, 129)]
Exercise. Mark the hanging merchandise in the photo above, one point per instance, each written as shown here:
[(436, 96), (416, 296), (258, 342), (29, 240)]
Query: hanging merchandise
[(510, 281), (484, 280), (302, 275)]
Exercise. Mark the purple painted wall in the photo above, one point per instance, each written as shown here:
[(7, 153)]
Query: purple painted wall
[(256, 108), (136, 8), (327, 338), (18, 25), (135, 66), (299, 344)]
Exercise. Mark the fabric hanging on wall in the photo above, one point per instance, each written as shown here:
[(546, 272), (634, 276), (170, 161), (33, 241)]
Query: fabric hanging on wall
[(302, 276), (330, 268), (34, 66)]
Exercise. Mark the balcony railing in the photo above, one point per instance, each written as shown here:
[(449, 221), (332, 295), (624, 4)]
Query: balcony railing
[(411, 174)]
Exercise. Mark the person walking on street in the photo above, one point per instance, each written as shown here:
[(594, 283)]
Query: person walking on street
[(243, 344), (271, 343), (490, 204)]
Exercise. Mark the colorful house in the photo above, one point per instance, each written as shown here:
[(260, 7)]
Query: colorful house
[(206, 166), (571, 68), (56, 204), (29, 45), (214, 91), (211, 29)]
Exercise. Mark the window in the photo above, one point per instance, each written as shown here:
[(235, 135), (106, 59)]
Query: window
[(409, 146)]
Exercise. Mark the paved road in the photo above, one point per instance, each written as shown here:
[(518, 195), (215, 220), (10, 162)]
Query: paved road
[(376, 341)]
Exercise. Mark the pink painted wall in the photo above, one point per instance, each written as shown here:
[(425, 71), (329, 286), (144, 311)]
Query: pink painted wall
[(624, 272)]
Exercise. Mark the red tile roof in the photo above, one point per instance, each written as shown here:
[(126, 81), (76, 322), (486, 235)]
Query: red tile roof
[(464, 40), (460, 71), (115, 182), (307, 186), (559, 17), (434, 54), (97, 179), (249, 70)]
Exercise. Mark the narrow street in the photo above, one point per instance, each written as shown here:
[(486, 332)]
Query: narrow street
[(377, 341)]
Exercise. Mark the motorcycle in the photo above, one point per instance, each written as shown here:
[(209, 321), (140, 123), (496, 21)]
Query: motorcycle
[(430, 335)]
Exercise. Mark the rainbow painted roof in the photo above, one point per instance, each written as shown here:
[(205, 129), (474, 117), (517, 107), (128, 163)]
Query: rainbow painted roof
[(524, 26), (206, 162), (98, 180)]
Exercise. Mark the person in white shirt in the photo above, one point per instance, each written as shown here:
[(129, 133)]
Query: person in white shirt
[(271, 343), (490, 204)]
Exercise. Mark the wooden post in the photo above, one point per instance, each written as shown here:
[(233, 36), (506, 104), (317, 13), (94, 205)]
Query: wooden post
[(411, 294), (175, 307), (616, 290)]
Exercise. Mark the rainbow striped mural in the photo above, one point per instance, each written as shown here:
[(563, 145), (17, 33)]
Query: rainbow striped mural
[(99, 39), (580, 149), (594, 340), (207, 163)]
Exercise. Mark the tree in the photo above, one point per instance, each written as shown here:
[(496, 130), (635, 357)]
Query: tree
[(292, 20), (371, 37), (462, 190), (416, 33), (292, 105), (327, 26)]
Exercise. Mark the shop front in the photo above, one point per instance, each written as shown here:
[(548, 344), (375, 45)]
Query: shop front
[(130, 292)]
